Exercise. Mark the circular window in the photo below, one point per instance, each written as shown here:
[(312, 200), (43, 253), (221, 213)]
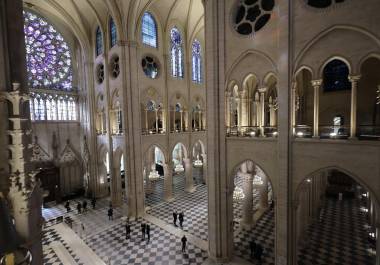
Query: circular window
[(114, 66), (100, 73), (150, 67), (323, 3), (252, 15)]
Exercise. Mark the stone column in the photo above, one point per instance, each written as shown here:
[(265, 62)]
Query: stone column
[(116, 194), (244, 109), (262, 110), (294, 109), (146, 120), (181, 113), (378, 244), (200, 120), (248, 199), (257, 109), (168, 181), (204, 168), (263, 203), (272, 113), (156, 113), (316, 85), (189, 185), (354, 87), (228, 109)]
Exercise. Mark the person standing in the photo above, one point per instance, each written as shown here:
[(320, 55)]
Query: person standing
[(148, 232), (143, 227), (84, 206), (93, 202), (184, 240), (67, 206), (110, 214), (79, 207), (258, 252), (181, 215), (127, 230), (252, 246), (175, 218)]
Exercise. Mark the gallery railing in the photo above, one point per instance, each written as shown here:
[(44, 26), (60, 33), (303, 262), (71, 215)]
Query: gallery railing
[(251, 131)]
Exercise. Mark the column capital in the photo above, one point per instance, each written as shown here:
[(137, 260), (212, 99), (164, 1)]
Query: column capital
[(354, 78), (316, 82), (263, 89)]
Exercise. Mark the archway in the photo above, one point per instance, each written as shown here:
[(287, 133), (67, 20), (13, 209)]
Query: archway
[(303, 104), (199, 159), (253, 212), (183, 170), (157, 177), (368, 109), (334, 220)]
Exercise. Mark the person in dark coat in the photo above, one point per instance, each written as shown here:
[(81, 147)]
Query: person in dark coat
[(79, 207), (127, 230), (84, 204), (184, 240), (67, 206), (259, 252), (180, 218), (252, 247), (93, 202), (175, 218), (148, 232), (143, 227), (110, 214)]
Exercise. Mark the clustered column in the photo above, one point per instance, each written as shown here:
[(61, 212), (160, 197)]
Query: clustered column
[(262, 110), (248, 199), (316, 85), (354, 87), (168, 181), (189, 186)]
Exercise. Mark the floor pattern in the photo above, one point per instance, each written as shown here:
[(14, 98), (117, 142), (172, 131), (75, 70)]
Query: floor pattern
[(163, 248), (340, 237), (50, 258)]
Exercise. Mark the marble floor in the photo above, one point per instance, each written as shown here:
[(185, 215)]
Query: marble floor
[(340, 237)]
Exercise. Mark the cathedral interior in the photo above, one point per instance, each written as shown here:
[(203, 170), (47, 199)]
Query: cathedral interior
[(189, 132)]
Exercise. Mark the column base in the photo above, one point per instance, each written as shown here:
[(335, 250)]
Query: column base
[(352, 138), (190, 189), (316, 137)]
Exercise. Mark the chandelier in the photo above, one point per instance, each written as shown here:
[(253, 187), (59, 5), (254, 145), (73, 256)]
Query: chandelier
[(153, 175), (257, 180), (179, 168), (238, 194)]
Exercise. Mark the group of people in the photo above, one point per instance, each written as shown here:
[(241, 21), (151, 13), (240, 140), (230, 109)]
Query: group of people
[(256, 250), (81, 206), (178, 216)]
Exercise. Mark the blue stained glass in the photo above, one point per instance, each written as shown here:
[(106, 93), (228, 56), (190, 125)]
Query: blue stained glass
[(149, 30), (99, 42), (196, 62), (113, 32), (48, 57), (176, 53)]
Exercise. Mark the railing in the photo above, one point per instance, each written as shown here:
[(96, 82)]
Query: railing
[(117, 132), (251, 131), (179, 130), (368, 132), (303, 131), (153, 131), (198, 129), (334, 132)]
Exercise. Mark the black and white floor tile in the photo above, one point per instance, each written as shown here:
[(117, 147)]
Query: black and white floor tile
[(340, 237), (50, 258), (163, 248)]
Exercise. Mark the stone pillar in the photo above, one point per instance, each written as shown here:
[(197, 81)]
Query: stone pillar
[(244, 108), (248, 199), (181, 113), (257, 109), (200, 120), (228, 109), (262, 110), (354, 97), (204, 168), (116, 194), (189, 185), (294, 109), (156, 113), (378, 244), (272, 113), (146, 120), (168, 181), (263, 203), (316, 85)]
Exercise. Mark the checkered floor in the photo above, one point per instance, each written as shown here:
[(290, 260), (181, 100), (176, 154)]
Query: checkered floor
[(49, 257), (194, 207), (93, 220), (163, 248), (340, 238)]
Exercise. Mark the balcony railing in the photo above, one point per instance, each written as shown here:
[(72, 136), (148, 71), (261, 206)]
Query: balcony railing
[(152, 131), (198, 129), (251, 131), (179, 130), (368, 132), (334, 132), (303, 131)]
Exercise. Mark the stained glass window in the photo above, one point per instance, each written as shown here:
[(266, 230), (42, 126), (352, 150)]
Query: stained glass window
[(48, 57), (197, 62), (176, 53), (39, 108), (99, 42), (113, 32), (149, 30), (71, 109), (51, 108)]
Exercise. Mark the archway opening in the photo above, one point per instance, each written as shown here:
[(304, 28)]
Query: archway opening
[(253, 214), (199, 163), (368, 108), (335, 220), (303, 105)]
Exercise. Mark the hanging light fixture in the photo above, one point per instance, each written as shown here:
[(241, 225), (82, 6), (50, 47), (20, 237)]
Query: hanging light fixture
[(238, 194), (198, 162), (153, 175), (257, 180)]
